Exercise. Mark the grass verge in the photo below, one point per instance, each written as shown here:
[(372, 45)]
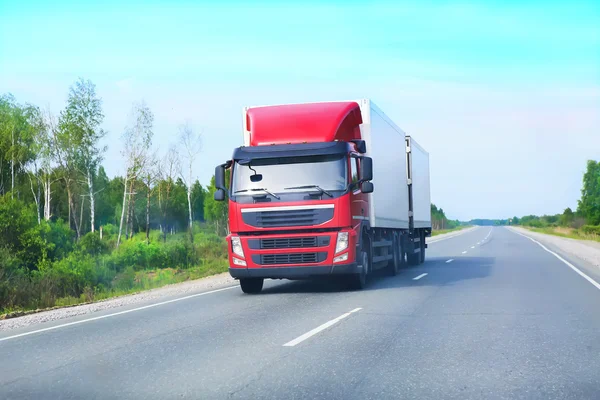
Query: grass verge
[(570, 233), (139, 281)]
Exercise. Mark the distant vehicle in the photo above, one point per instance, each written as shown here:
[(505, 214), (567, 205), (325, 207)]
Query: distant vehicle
[(324, 189)]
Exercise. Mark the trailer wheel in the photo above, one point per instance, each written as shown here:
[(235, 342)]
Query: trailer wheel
[(359, 281), (251, 285)]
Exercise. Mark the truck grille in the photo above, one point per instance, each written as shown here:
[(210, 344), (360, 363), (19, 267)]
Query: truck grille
[(292, 258), (288, 243), (297, 217)]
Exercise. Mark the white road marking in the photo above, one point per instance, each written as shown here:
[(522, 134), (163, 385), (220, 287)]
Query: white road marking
[(449, 261), (464, 252), (472, 247), (320, 328), (114, 314), (416, 278), (488, 235), (574, 268), (478, 242)]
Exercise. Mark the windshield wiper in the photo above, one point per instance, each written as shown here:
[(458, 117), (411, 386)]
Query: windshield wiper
[(258, 189), (323, 191)]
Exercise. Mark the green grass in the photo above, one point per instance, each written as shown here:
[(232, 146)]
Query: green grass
[(570, 233), (441, 231), (142, 280)]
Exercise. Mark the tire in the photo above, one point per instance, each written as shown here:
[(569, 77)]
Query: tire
[(359, 281), (251, 285)]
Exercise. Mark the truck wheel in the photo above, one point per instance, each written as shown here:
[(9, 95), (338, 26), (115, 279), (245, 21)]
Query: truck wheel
[(251, 285), (359, 281)]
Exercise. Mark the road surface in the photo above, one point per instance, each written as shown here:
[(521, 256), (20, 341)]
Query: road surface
[(504, 319)]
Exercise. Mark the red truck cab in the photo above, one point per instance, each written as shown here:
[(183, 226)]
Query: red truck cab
[(298, 195)]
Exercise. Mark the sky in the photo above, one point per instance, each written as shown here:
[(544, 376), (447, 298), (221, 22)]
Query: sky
[(505, 95)]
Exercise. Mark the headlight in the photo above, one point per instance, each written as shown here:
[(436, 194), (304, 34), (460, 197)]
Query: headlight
[(236, 246), (342, 242)]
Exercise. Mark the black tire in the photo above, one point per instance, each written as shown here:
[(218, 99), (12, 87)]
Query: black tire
[(359, 281), (251, 285)]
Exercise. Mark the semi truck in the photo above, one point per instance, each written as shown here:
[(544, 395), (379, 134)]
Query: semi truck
[(331, 189)]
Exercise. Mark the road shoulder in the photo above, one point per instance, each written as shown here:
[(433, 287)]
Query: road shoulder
[(579, 252)]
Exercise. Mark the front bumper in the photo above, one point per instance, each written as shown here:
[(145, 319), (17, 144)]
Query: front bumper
[(295, 272)]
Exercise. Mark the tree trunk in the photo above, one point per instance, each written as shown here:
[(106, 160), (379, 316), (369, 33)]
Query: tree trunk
[(92, 202), (47, 197), (81, 212), (129, 223), (148, 213), (122, 210), (36, 198), (189, 199), (74, 210)]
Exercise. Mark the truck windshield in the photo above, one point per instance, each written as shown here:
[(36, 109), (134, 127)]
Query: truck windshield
[(288, 174)]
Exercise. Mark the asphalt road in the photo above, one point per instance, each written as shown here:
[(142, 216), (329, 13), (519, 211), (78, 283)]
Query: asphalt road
[(504, 319)]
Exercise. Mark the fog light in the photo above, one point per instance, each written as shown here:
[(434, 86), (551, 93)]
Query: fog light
[(237, 261), (343, 257)]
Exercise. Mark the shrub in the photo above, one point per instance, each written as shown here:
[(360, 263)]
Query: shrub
[(591, 229), (91, 244)]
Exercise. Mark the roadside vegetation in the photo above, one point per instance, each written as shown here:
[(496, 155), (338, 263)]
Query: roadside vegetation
[(583, 223)]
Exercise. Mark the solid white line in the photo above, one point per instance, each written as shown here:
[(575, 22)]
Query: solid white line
[(464, 252), (320, 328), (574, 268), (115, 314), (450, 260), (416, 278)]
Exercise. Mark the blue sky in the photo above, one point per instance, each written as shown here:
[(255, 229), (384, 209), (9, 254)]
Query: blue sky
[(504, 95)]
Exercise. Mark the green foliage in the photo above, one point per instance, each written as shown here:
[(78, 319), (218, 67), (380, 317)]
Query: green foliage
[(217, 211), (591, 229), (589, 205)]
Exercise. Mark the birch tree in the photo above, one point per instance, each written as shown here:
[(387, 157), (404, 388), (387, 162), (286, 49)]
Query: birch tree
[(79, 141), (137, 140), (167, 171), (190, 143)]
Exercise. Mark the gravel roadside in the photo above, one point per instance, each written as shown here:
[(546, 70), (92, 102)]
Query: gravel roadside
[(178, 289), (585, 250)]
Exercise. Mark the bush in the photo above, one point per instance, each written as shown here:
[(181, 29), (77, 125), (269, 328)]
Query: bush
[(91, 244), (591, 229)]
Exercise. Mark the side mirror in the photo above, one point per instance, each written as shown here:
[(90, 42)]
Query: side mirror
[(220, 177), (366, 169), (219, 195), (365, 187)]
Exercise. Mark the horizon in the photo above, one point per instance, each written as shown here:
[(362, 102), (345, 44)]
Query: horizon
[(505, 98)]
